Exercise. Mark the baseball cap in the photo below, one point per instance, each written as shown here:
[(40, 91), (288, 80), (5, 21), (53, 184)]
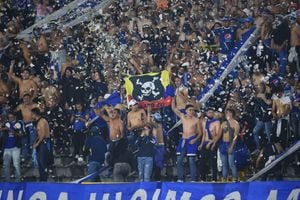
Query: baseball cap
[(132, 102)]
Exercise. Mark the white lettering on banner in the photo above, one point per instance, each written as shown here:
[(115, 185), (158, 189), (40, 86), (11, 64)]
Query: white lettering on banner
[(156, 194), (171, 195), (233, 196), (20, 195), (186, 196), (93, 196), (272, 195), (139, 194), (209, 197), (10, 195), (119, 196), (63, 196), (294, 194), (39, 196), (105, 196)]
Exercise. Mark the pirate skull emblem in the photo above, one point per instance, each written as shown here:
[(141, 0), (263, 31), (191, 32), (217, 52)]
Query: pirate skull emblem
[(148, 88)]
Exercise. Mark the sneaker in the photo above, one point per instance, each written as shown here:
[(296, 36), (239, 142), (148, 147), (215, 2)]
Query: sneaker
[(179, 181)]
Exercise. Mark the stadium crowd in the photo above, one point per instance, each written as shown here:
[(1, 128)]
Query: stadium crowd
[(53, 88)]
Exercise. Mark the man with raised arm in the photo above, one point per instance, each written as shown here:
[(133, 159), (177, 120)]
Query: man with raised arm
[(115, 124), (189, 141), (25, 84), (136, 120)]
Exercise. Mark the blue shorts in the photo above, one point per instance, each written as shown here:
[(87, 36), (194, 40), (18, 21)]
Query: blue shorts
[(185, 147)]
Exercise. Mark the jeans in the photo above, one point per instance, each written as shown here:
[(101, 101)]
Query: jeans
[(121, 172), (92, 168), (31, 131), (260, 125), (295, 124), (145, 166), (180, 170), (228, 159), (14, 154), (28, 140)]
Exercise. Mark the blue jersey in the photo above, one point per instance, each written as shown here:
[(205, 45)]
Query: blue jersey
[(227, 38), (79, 125)]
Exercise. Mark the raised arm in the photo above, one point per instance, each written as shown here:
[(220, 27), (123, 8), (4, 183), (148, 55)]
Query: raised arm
[(175, 110), (103, 116), (11, 74)]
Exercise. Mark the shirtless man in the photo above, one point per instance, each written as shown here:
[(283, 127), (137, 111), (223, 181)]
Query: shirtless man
[(281, 108), (25, 109), (26, 85), (116, 125), (229, 132), (181, 94), (189, 141), (295, 42), (136, 120), (155, 121), (42, 144), (208, 147)]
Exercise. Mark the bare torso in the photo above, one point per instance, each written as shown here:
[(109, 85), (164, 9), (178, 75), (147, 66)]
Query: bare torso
[(295, 35), (158, 134), (189, 126), (281, 108), (26, 111), (137, 118), (43, 129), (213, 128), (181, 98), (226, 135), (115, 129)]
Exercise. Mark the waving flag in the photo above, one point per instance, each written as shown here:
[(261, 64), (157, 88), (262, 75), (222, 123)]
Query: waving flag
[(149, 89)]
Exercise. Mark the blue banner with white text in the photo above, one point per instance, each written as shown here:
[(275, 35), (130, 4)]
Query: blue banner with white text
[(151, 191)]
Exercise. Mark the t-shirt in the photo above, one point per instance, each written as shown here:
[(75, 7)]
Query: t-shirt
[(79, 125), (11, 139), (227, 38), (96, 147), (146, 146)]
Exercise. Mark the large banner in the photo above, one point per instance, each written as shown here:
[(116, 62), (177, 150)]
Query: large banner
[(149, 89), (285, 190)]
